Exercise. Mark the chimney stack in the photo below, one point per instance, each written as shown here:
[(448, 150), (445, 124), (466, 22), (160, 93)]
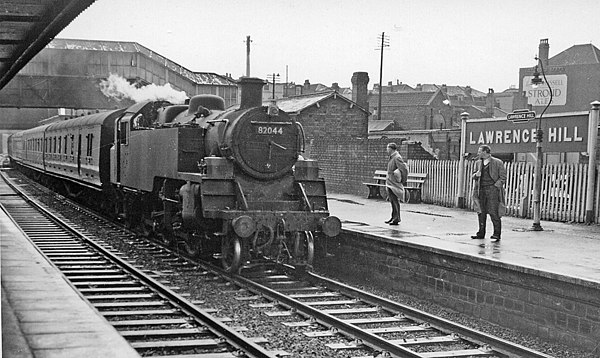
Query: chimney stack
[(360, 80), (335, 86), (543, 52), (490, 103), (306, 87), (251, 92)]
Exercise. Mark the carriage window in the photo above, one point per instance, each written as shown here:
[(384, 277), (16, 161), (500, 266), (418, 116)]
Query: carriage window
[(65, 146), (72, 144), (90, 144)]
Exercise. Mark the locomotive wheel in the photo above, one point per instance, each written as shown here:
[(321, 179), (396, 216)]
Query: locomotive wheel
[(304, 247), (231, 253)]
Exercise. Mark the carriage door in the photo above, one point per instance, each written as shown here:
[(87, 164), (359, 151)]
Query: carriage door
[(122, 134)]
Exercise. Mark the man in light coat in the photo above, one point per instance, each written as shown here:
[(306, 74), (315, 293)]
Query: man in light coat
[(397, 175), (488, 192)]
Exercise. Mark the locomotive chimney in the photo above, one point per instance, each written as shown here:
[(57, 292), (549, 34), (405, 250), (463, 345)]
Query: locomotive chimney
[(251, 92)]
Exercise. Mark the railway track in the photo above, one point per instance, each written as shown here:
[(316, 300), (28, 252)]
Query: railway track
[(346, 319), (151, 316), (362, 320)]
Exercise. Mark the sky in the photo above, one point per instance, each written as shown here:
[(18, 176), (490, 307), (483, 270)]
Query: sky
[(478, 43)]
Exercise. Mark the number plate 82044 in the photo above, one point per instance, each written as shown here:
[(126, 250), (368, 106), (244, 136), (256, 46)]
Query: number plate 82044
[(272, 130)]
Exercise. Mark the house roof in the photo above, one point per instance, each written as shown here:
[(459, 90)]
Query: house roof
[(297, 104), (497, 111), (313, 88), (452, 90), (379, 125), (399, 87), (399, 99), (576, 55)]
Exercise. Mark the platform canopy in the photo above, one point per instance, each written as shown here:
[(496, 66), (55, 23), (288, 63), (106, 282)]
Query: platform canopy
[(27, 26)]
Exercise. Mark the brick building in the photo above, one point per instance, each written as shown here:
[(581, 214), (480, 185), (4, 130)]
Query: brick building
[(413, 110), (336, 135), (336, 129), (574, 76)]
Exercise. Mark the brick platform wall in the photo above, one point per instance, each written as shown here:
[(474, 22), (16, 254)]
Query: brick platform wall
[(552, 307)]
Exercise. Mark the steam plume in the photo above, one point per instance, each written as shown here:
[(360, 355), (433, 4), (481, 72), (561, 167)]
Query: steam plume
[(118, 88)]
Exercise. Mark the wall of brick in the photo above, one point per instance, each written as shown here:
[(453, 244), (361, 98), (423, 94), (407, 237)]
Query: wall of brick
[(347, 163), (336, 136), (553, 307)]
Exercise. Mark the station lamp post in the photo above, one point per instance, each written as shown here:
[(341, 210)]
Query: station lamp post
[(539, 137)]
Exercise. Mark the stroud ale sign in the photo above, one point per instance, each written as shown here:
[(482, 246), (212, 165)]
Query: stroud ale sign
[(565, 132)]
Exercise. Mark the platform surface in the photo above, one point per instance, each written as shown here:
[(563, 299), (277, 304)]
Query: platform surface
[(42, 316), (571, 250)]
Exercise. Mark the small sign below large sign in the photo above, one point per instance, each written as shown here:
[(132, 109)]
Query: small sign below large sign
[(520, 116), (562, 133)]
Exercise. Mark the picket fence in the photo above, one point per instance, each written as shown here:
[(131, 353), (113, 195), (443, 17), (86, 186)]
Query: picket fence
[(563, 194)]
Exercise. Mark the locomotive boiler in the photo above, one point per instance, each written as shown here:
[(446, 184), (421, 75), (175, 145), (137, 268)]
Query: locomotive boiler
[(230, 183)]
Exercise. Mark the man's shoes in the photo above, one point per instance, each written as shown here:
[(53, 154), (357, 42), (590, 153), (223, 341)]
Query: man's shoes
[(495, 238), (477, 237), (389, 221), (394, 223)]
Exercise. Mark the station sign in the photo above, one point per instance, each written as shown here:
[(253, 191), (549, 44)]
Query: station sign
[(520, 116), (562, 133)]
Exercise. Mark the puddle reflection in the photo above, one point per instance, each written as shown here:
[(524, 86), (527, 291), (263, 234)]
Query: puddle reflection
[(490, 249)]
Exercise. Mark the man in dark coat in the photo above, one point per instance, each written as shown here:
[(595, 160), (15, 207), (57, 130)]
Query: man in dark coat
[(397, 175), (488, 192)]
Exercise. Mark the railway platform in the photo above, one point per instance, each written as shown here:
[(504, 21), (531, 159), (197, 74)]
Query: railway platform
[(569, 250), (42, 315), (545, 283)]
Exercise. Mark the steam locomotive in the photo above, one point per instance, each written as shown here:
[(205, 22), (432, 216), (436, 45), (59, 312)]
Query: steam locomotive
[(228, 183)]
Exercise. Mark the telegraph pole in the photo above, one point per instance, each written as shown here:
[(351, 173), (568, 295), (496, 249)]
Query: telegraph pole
[(274, 78), (384, 43)]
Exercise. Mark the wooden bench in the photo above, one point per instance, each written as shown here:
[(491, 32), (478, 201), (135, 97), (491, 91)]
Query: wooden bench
[(379, 177), (413, 186)]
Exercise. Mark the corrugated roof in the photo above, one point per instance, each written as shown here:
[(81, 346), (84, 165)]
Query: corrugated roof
[(576, 55), (201, 78)]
